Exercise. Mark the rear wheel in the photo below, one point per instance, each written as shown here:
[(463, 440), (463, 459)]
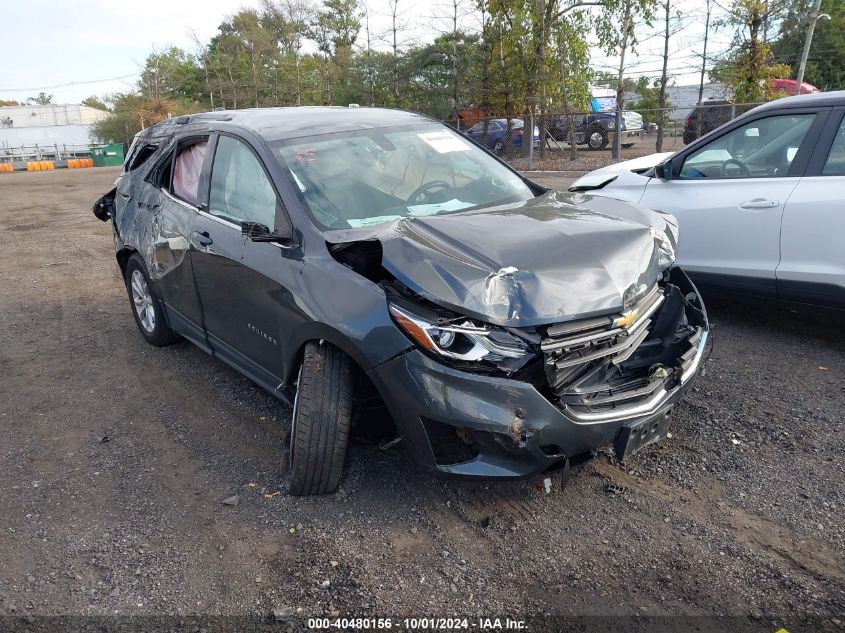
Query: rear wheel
[(146, 304), (498, 146), (315, 451)]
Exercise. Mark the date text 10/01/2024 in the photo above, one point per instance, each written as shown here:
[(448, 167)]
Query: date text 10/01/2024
[(444, 624)]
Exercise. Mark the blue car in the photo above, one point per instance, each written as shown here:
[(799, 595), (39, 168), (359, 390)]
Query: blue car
[(497, 134)]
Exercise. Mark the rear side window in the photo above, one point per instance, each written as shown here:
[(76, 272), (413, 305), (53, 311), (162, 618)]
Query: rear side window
[(140, 156)]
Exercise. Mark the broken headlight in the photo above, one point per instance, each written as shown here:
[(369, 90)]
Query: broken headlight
[(463, 340), (665, 249)]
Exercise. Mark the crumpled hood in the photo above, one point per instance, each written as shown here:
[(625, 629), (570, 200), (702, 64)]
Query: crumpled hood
[(600, 177), (553, 258)]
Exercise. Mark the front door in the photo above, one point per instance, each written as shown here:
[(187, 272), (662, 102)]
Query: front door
[(729, 198), (236, 277)]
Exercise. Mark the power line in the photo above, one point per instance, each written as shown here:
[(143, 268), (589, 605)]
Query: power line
[(72, 83)]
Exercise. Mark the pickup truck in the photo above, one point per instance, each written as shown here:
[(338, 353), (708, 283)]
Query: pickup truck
[(595, 129)]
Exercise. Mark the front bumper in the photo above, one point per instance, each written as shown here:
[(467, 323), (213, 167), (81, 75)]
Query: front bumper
[(514, 430)]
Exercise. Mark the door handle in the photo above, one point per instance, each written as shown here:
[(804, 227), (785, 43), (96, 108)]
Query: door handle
[(759, 203), (201, 239)]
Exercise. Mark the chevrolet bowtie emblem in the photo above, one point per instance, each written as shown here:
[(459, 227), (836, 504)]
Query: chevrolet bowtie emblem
[(627, 319)]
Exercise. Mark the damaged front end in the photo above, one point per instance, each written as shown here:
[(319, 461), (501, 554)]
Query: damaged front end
[(624, 363), (541, 332), (516, 401)]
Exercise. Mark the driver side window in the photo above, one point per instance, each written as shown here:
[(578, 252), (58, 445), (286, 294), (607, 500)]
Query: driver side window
[(764, 148), (240, 189)]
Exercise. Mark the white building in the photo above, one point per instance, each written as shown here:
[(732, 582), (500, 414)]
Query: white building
[(46, 129)]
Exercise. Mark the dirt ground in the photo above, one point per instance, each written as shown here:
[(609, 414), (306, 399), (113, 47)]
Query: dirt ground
[(115, 458), (559, 158)]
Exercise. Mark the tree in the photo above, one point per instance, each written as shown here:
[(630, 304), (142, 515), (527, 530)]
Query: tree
[(129, 113), (749, 67), (826, 62), (397, 27), (574, 69), (42, 99), (649, 103), (172, 74), (335, 30), (94, 102), (430, 72), (618, 37)]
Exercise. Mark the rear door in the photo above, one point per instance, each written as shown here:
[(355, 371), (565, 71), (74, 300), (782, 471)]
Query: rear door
[(237, 279), (812, 265), (168, 200), (729, 197)]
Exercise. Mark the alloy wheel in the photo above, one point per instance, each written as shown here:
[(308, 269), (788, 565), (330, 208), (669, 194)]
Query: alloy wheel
[(142, 299)]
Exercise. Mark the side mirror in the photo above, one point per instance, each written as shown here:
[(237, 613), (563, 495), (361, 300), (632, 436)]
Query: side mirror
[(664, 170), (258, 232)]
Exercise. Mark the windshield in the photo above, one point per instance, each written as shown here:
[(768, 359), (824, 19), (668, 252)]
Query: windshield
[(367, 177), (603, 104)]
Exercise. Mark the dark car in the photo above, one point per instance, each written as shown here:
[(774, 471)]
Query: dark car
[(495, 138), (706, 117), (332, 255)]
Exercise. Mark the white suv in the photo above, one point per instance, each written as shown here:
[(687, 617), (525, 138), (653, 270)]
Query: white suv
[(760, 201)]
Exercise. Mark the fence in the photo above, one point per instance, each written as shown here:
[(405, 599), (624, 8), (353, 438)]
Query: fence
[(19, 155), (587, 138)]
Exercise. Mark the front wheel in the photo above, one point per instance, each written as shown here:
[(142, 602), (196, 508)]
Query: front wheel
[(146, 304), (322, 417), (596, 138)]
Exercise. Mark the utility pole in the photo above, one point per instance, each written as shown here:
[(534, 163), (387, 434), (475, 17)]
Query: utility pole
[(703, 67), (814, 16)]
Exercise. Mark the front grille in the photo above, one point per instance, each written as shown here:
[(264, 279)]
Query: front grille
[(619, 361)]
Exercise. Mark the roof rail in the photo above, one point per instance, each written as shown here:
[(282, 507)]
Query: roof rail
[(203, 116)]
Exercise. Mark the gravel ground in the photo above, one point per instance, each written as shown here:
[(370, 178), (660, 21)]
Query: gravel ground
[(116, 457)]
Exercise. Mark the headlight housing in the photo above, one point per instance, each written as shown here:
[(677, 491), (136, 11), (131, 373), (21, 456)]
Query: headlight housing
[(665, 249), (463, 340)]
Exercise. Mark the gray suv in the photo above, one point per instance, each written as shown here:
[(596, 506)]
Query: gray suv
[(338, 256)]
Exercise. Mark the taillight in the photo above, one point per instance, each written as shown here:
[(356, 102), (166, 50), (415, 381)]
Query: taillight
[(688, 120)]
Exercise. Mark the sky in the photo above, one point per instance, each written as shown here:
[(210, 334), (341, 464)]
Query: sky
[(76, 49)]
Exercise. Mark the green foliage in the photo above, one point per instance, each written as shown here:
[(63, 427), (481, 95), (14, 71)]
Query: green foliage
[(172, 74), (94, 102), (648, 98), (131, 112), (530, 55), (826, 62), (617, 22), (749, 65)]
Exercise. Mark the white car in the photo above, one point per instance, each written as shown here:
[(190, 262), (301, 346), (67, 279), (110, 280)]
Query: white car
[(760, 201)]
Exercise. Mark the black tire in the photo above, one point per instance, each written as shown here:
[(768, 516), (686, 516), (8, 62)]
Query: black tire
[(160, 334), (689, 136), (627, 145), (498, 146), (596, 138), (322, 417)]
